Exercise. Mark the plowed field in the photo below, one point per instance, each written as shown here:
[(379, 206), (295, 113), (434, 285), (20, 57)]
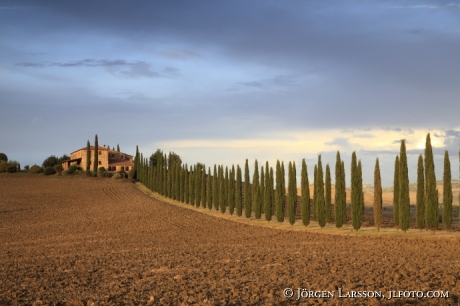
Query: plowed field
[(88, 241)]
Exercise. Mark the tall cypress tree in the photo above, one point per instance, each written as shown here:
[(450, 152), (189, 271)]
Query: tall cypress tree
[(360, 198), (292, 193), (262, 189), (88, 156), (328, 195), (305, 197), (192, 185), (404, 201), (320, 201), (279, 193), (247, 192), (231, 191), (215, 188), (238, 195), (186, 185), (267, 191), (377, 196), (136, 163), (315, 193), (96, 154), (226, 191), (203, 186), (357, 197), (338, 192), (198, 178), (272, 191), (222, 188), (118, 147), (396, 194), (256, 192), (420, 207), (344, 195), (209, 190), (447, 194), (283, 181)]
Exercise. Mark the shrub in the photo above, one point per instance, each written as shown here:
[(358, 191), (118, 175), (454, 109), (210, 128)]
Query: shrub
[(58, 168), (50, 161), (117, 176), (101, 170), (35, 169), (65, 172), (88, 173), (123, 174), (107, 174), (49, 171), (3, 165), (26, 168), (3, 157), (131, 174), (12, 167), (72, 169)]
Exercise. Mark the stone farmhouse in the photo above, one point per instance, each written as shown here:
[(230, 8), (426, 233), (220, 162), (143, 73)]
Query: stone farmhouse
[(111, 160)]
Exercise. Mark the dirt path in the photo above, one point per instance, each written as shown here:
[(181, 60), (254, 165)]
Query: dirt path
[(85, 241)]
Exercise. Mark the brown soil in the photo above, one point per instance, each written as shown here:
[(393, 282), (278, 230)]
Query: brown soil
[(88, 241)]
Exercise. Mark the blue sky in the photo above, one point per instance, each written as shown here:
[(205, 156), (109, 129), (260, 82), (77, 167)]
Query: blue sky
[(222, 81)]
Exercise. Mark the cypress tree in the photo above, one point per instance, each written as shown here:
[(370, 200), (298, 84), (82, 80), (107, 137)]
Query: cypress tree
[(186, 185), (209, 190), (292, 192), (283, 182), (181, 184), (338, 192), (198, 178), (226, 191), (96, 154), (88, 156), (238, 195), (192, 185), (447, 194), (315, 193), (222, 200), (320, 201), (256, 192), (396, 194), (118, 147), (344, 195), (267, 197), (231, 191), (247, 192), (420, 217), (262, 190), (279, 193), (203, 186), (272, 191), (360, 196), (357, 196), (215, 188), (136, 163), (305, 197), (377, 196), (404, 201), (328, 195)]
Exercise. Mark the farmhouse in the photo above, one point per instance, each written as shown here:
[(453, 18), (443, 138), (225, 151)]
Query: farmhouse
[(111, 160)]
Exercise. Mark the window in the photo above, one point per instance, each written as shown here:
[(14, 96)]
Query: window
[(100, 163), (100, 152), (113, 155)]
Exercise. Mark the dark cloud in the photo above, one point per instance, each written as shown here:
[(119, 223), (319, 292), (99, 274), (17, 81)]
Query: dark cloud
[(136, 69)]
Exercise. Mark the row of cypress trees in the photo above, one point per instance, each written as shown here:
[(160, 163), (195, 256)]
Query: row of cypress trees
[(224, 189)]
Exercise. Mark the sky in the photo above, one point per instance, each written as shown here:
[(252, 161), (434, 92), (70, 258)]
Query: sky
[(219, 82)]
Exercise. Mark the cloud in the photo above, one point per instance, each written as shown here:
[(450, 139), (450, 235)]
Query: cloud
[(340, 142), (135, 69)]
